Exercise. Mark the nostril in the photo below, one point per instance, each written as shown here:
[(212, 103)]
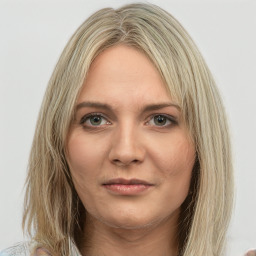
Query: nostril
[(118, 163), (124, 154), (124, 163)]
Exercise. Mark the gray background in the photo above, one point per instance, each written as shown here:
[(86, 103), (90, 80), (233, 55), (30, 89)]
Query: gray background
[(32, 36)]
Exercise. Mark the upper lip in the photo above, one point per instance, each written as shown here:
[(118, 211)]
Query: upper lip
[(126, 182)]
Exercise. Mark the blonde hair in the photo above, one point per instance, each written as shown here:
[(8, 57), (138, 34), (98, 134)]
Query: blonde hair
[(53, 213)]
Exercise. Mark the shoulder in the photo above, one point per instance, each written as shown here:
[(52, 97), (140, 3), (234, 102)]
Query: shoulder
[(20, 249), (2, 253), (29, 249), (251, 252), (24, 250), (41, 252)]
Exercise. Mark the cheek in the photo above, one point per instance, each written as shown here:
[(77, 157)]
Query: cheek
[(82, 158), (175, 160), (173, 156), (176, 164), (85, 152)]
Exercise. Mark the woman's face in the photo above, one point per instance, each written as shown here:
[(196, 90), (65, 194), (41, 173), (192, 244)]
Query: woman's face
[(128, 149)]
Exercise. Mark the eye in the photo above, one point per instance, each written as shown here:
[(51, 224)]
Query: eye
[(94, 120), (161, 120)]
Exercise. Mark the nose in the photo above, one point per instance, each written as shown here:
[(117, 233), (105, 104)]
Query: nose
[(126, 147)]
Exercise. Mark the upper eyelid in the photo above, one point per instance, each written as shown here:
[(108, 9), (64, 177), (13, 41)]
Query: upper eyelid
[(111, 110), (170, 117), (104, 114), (149, 116)]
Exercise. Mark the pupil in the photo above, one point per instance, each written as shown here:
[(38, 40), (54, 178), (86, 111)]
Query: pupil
[(95, 120), (160, 120)]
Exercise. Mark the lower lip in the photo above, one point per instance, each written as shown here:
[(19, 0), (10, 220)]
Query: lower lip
[(124, 189)]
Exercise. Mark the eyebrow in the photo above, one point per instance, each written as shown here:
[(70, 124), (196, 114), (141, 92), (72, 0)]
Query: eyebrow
[(146, 108)]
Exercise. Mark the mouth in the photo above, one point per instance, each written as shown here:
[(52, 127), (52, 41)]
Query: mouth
[(122, 186), (122, 181)]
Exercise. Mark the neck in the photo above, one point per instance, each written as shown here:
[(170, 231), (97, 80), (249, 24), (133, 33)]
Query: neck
[(154, 240)]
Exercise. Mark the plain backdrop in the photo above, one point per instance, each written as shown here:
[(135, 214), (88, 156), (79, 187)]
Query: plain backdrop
[(32, 36)]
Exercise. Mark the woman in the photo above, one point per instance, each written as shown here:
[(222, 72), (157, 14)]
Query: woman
[(131, 152)]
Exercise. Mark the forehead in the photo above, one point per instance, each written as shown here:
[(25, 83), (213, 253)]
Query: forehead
[(124, 75)]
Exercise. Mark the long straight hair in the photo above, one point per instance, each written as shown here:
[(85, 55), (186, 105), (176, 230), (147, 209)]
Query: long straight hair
[(53, 212)]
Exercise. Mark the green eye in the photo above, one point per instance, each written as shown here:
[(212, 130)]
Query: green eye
[(160, 120), (95, 120)]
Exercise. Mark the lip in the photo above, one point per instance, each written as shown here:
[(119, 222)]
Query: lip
[(122, 186), (126, 182)]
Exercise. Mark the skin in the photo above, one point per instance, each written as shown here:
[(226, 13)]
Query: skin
[(128, 142), (251, 253)]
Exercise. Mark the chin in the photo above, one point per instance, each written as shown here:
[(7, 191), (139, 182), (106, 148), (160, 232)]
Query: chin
[(130, 220)]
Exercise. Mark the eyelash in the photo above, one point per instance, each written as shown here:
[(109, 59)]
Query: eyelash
[(172, 120), (87, 117)]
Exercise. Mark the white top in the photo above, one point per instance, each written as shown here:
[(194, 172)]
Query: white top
[(24, 249)]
